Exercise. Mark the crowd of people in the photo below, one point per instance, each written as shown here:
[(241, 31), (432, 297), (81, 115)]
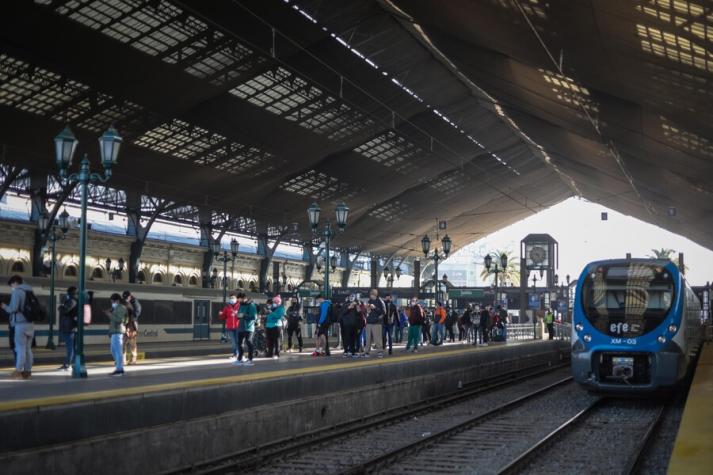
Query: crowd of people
[(366, 327)]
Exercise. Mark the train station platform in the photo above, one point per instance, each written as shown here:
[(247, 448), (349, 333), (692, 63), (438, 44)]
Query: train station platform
[(204, 407), (693, 450)]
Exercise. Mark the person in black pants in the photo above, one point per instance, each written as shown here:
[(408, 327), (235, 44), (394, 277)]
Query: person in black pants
[(451, 320), (350, 327), (484, 325), (294, 323)]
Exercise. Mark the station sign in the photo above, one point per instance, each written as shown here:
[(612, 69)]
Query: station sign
[(464, 293)]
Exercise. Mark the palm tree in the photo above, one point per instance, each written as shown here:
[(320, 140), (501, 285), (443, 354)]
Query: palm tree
[(664, 253), (511, 274)]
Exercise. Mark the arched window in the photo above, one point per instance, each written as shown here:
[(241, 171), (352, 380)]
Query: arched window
[(141, 276), (193, 280), (97, 273), (70, 271), (157, 278), (177, 279), (17, 267), (253, 287), (268, 285), (241, 284)]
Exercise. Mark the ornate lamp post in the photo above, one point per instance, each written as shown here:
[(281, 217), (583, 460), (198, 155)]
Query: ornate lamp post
[(50, 231), (342, 213), (502, 259), (436, 256), (65, 147), (225, 258)]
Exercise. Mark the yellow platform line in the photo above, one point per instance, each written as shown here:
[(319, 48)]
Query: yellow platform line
[(223, 380), (693, 450)]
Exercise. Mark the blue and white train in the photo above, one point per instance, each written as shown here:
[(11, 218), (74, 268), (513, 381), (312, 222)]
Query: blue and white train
[(636, 326)]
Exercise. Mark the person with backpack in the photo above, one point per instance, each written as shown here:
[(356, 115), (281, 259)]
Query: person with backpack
[(132, 333), (426, 327), (247, 316), (118, 318), (230, 315), (415, 320), (324, 308), (294, 323), (391, 319), (68, 324), (23, 310), (273, 327)]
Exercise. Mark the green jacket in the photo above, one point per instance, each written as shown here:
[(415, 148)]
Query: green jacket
[(248, 314), (119, 318), (274, 317)]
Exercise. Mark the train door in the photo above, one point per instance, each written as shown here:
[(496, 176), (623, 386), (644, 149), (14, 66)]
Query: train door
[(201, 319)]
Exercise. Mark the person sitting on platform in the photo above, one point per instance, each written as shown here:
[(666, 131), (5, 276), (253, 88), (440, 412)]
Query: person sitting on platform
[(273, 327), (118, 318), (247, 316), (230, 315)]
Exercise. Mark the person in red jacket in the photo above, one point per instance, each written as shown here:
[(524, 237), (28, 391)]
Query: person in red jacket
[(230, 315)]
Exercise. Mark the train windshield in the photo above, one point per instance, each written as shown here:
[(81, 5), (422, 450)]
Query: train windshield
[(627, 300)]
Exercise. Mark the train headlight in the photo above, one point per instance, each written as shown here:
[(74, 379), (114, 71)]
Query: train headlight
[(661, 339), (672, 328), (587, 337), (579, 327)]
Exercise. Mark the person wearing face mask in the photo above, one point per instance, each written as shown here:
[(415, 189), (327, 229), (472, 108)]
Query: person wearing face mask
[(230, 315), (118, 318), (273, 327)]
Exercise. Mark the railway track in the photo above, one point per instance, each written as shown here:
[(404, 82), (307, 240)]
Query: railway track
[(297, 454), (609, 436)]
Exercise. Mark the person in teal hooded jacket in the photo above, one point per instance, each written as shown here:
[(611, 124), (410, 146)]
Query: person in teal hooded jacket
[(247, 315), (273, 327)]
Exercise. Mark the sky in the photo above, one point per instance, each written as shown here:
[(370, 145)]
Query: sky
[(583, 237)]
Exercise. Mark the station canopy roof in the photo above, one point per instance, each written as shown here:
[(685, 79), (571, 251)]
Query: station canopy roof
[(478, 113)]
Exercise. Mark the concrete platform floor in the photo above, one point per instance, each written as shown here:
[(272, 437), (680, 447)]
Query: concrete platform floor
[(50, 386)]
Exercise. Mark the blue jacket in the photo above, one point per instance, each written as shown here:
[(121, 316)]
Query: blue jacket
[(324, 312), (273, 318), (249, 314)]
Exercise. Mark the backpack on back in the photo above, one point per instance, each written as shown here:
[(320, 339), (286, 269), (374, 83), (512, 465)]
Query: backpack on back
[(32, 310)]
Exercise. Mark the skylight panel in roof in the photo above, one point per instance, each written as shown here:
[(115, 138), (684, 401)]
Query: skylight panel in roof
[(35, 90), (392, 211), (684, 139), (449, 183), (391, 150), (319, 185)]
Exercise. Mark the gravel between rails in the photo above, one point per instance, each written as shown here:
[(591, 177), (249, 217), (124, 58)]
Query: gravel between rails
[(602, 443), (489, 445), (344, 452)]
